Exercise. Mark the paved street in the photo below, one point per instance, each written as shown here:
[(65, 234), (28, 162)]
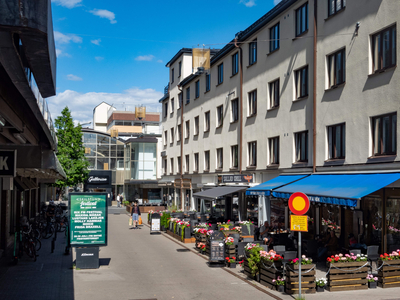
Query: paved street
[(137, 265)]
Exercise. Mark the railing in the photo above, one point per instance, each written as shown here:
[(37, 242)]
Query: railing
[(43, 107), (166, 89)]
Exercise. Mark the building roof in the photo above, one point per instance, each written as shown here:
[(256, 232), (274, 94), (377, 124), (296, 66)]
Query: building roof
[(165, 97), (177, 55), (101, 104)]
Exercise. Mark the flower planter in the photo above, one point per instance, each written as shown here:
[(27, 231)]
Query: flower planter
[(247, 271), (230, 250), (307, 279), (280, 288), (347, 276), (320, 289), (270, 271), (389, 273), (372, 285), (231, 265)]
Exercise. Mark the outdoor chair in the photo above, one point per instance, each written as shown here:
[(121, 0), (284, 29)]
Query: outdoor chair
[(280, 249), (235, 237), (372, 254)]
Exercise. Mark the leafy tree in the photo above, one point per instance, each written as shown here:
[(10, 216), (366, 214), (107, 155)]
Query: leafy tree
[(71, 152)]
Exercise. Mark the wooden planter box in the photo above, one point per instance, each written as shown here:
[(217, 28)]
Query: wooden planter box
[(247, 271), (187, 236), (230, 251), (269, 273), (347, 276), (389, 273), (307, 279)]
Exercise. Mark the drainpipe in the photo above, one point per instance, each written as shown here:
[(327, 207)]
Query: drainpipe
[(315, 89), (181, 133), (240, 103)]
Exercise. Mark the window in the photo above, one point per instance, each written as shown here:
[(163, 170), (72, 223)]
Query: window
[(302, 19), (301, 81), (208, 82), (172, 136), (384, 130), (234, 156), (172, 75), (172, 165), (252, 146), (235, 63), (220, 73), (165, 166), (179, 133), (253, 52), (187, 129), (274, 94), (197, 89), (196, 162), (252, 103), (165, 109), (235, 110), (301, 144), (336, 141), (186, 163), (196, 125), (207, 121), (273, 144), (206, 160), (335, 6), (220, 158), (180, 100), (180, 69), (336, 68), (274, 36), (188, 95), (384, 49), (220, 115), (172, 105), (178, 159), (165, 137)]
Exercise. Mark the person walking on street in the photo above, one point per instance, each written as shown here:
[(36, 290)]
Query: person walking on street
[(135, 214), (119, 200)]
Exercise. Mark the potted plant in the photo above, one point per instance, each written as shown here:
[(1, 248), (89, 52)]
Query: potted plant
[(321, 282), (372, 281), (231, 262), (253, 260), (279, 284)]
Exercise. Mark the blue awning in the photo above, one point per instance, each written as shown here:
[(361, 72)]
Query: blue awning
[(338, 189), (264, 189)]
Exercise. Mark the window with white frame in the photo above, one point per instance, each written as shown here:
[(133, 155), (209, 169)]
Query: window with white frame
[(187, 129), (220, 159), (334, 6), (165, 109), (234, 156), (188, 95), (172, 105), (302, 19), (172, 75), (235, 63), (196, 126), (172, 136), (187, 163), (207, 121), (301, 82), (234, 110), (252, 154), (207, 160), (179, 133), (274, 36), (197, 89), (384, 135), (172, 165), (336, 68), (273, 147), (252, 104), (220, 73), (165, 137), (274, 93), (196, 162), (220, 115), (208, 82), (165, 166), (179, 164), (253, 52), (180, 69), (301, 146), (337, 141), (384, 49), (180, 100)]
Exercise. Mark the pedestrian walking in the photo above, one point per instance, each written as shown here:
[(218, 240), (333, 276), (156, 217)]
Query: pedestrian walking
[(135, 214), (119, 200)]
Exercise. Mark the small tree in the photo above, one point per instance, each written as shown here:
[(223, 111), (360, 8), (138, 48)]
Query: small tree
[(71, 152)]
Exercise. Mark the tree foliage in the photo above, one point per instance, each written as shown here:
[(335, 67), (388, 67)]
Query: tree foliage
[(71, 152)]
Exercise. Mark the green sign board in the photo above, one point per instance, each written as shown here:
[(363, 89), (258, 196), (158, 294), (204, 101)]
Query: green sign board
[(88, 219)]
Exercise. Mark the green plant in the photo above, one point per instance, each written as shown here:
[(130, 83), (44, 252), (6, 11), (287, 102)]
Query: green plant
[(321, 282), (126, 203), (300, 298), (172, 207), (175, 227), (164, 219), (254, 258), (279, 281)]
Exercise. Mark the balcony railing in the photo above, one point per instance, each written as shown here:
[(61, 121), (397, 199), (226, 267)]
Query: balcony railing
[(166, 89)]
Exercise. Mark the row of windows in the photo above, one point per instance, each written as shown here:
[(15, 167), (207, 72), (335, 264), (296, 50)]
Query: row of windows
[(384, 141)]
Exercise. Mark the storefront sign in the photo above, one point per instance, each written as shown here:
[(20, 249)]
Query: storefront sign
[(8, 163), (217, 250), (88, 225), (236, 178), (98, 180), (299, 223)]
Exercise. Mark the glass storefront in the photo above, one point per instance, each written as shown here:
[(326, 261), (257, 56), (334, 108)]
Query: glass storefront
[(143, 161)]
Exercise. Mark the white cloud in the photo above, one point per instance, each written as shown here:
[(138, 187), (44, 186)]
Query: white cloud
[(68, 3), (96, 42), (277, 1), (103, 13), (249, 3), (99, 58), (73, 77), (145, 58), (160, 61), (61, 38), (61, 53), (81, 105)]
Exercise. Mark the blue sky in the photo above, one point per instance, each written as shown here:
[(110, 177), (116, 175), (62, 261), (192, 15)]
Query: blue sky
[(116, 51)]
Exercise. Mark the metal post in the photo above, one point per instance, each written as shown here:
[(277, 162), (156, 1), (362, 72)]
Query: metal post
[(300, 265)]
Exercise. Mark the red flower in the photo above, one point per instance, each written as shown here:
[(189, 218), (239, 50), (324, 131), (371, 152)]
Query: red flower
[(233, 257), (336, 259), (329, 259)]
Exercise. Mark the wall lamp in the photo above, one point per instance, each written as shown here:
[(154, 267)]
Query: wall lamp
[(20, 138)]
